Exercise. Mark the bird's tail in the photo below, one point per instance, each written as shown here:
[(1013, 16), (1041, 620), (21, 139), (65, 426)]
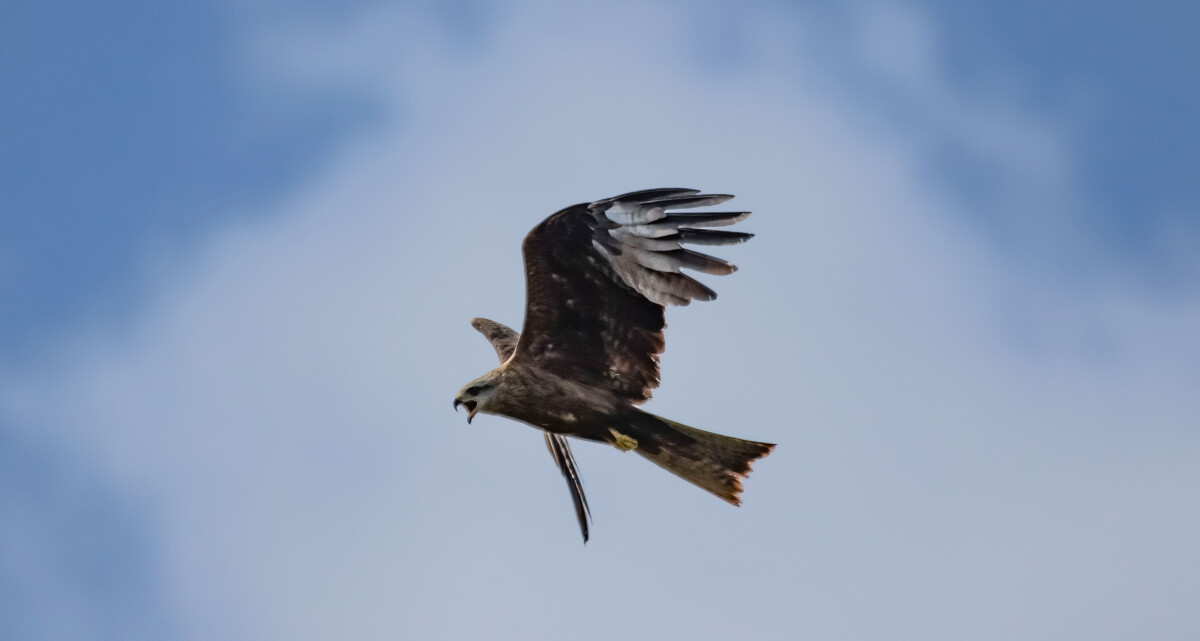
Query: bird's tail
[(711, 461)]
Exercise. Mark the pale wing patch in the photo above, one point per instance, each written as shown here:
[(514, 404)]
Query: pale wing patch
[(645, 247)]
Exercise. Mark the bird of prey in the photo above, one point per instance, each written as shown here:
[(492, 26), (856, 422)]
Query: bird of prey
[(598, 277)]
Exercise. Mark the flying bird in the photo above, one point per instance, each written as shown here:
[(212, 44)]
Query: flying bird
[(598, 277)]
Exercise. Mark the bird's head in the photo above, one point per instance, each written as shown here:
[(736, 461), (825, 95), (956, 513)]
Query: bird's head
[(475, 395)]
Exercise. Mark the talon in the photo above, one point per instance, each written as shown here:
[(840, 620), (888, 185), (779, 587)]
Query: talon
[(624, 442)]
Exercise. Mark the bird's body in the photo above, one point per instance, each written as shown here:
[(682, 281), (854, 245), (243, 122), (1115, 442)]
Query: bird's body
[(598, 276), (561, 406)]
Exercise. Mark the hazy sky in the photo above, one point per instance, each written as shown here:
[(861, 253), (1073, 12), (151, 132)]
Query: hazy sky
[(242, 244)]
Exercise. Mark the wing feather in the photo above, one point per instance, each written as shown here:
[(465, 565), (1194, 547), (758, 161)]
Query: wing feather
[(672, 224), (687, 202), (711, 237), (598, 276), (677, 259), (650, 194), (503, 338)]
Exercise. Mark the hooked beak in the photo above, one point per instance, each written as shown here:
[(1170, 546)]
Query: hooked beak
[(470, 405)]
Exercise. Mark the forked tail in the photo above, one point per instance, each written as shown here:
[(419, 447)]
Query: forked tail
[(714, 462)]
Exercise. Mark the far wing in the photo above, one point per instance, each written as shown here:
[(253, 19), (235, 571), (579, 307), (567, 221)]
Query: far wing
[(597, 278), (502, 338), (504, 341)]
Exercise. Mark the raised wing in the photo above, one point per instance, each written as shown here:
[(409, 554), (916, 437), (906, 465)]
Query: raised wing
[(598, 276), (502, 337), (504, 341)]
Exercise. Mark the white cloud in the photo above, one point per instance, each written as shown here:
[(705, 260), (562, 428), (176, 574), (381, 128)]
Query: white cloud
[(965, 451)]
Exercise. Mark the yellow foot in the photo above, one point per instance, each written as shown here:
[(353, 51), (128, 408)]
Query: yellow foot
[(624, 442)]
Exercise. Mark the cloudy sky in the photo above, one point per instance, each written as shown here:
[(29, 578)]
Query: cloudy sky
[(241, 243)]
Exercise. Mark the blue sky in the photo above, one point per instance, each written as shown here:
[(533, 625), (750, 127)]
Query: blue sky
[(134, 130), (1122, 62), (243, 243)]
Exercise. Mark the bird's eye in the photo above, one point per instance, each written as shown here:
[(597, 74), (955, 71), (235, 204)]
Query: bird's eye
[(472, 390)]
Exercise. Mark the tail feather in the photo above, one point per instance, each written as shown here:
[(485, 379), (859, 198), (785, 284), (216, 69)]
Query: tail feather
[(714, 462)]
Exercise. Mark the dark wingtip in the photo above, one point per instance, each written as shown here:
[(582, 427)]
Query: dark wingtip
[(645, 195)]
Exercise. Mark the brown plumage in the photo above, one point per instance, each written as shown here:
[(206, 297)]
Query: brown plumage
[(598, 276)]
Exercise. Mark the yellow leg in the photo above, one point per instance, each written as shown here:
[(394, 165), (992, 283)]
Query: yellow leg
[(624, 442)]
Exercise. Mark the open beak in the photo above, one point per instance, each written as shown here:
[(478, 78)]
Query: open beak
[(470, 405)]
